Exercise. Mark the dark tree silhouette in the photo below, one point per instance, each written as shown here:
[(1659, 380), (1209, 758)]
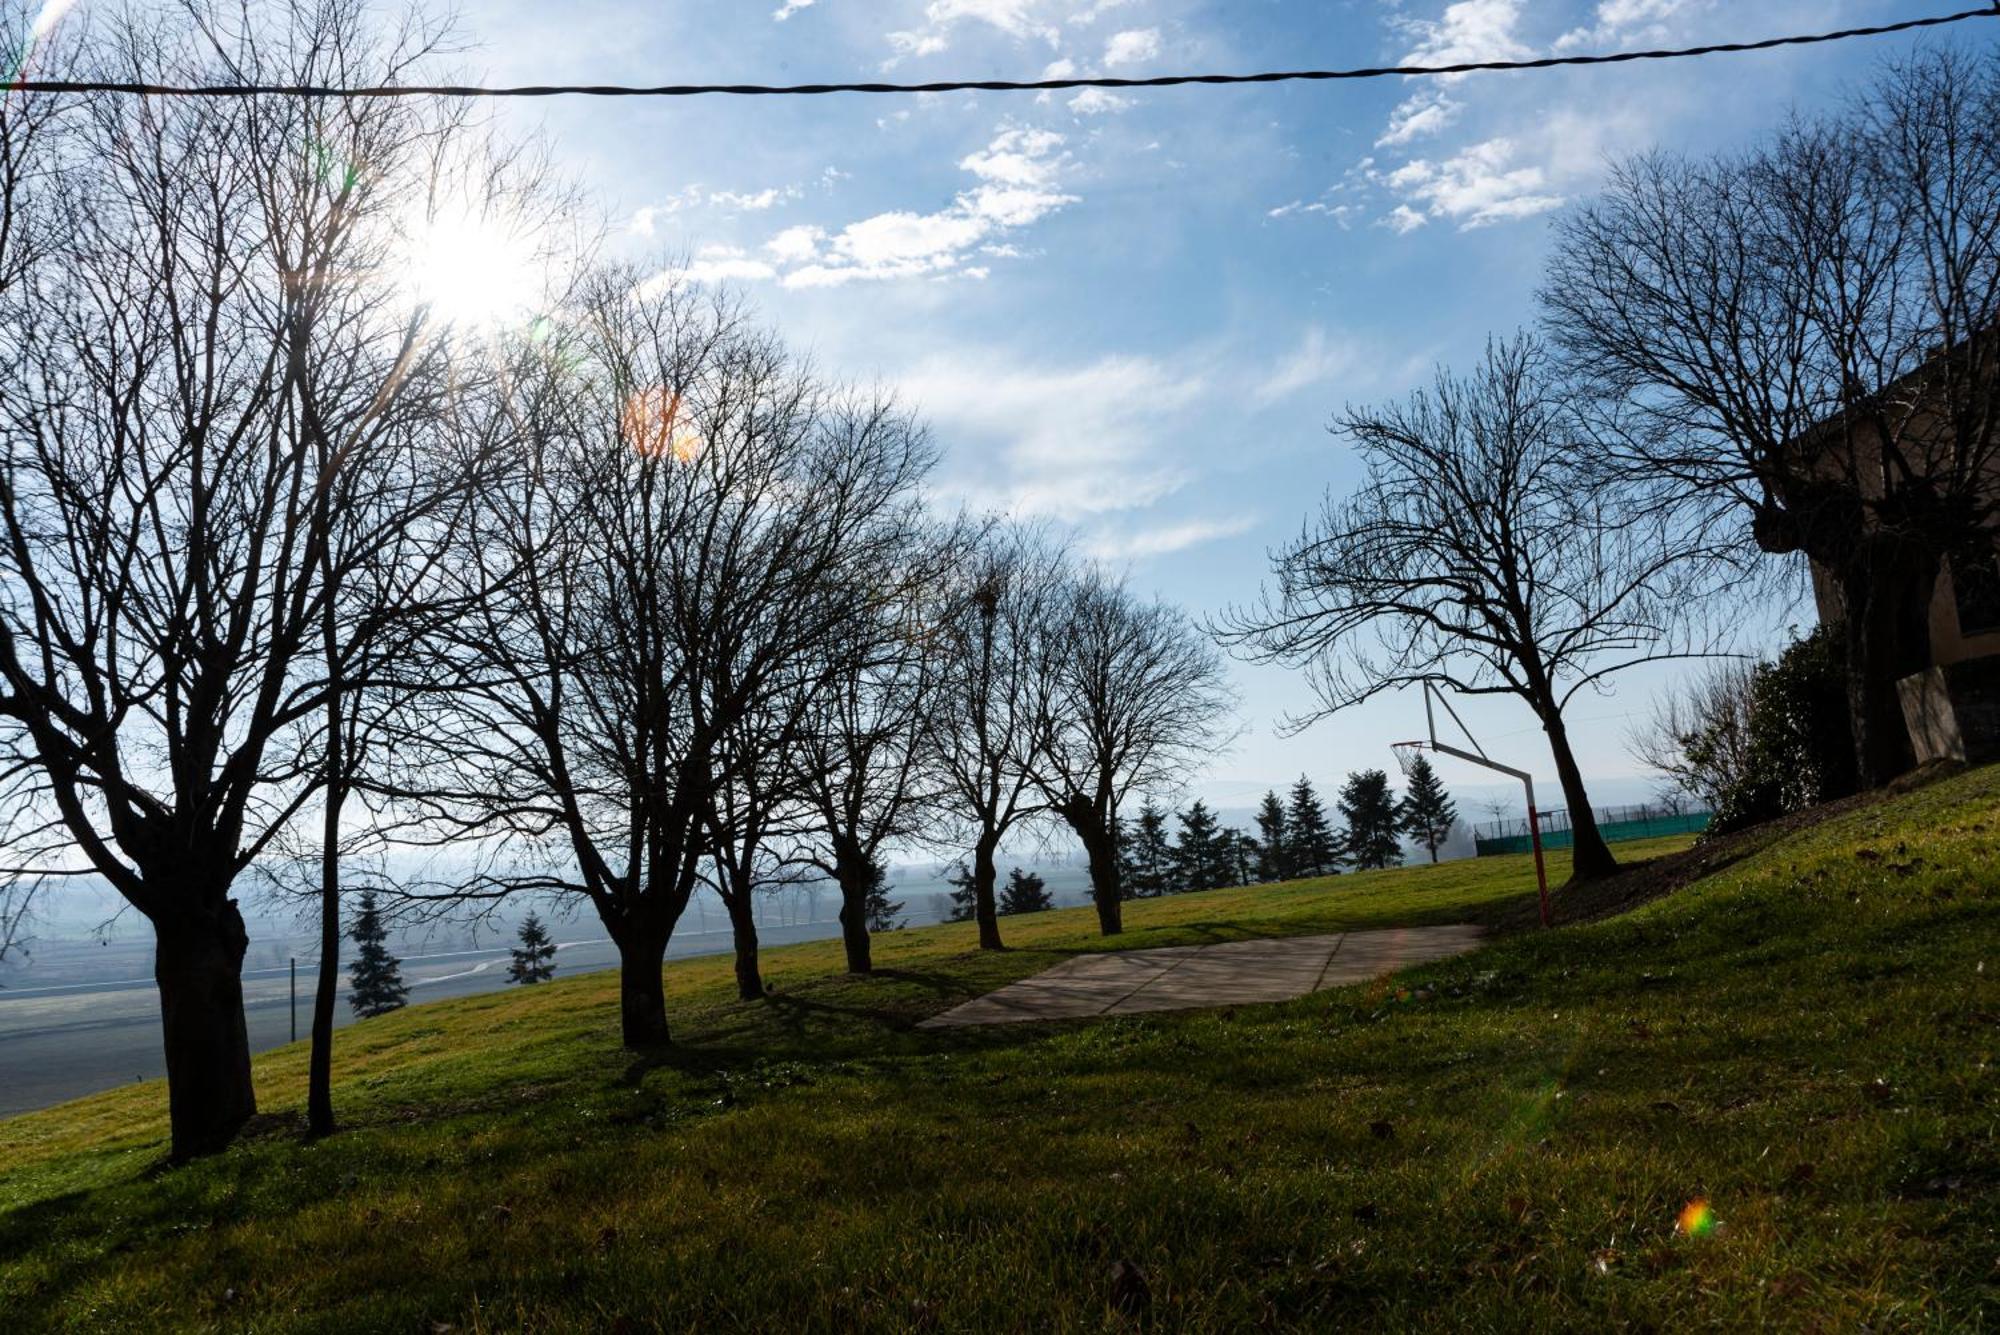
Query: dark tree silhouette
[(1202, 855), (964, 898), (1025, 893), (1804, 340), (534, 960), (211, 454), (1478, 556), (1134, 695), (884, 914), (1312, 847), (1148, 854), (653, 604), (1374, 826), (375, 982), (986, 726), (1273, 847), (1427, 813)]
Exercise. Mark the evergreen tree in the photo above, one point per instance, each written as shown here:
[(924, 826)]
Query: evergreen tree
[(1149, 858), (964, 895), (884, 914), (1311, 846), (534, 960), (1025, 893), (1273, 848), (1374, 827), (1244, 854), (1427, 813), (1201, 860), (377, 981)]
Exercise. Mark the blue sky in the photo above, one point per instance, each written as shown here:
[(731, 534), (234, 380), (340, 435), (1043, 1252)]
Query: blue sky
[(1134, 314)]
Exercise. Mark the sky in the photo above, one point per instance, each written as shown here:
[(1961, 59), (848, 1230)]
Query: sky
[(1134, 314)]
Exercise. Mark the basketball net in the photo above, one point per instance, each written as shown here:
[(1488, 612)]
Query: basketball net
[(1407, 754)]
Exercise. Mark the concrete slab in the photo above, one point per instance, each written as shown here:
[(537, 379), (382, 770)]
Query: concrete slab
[(1223, 973)]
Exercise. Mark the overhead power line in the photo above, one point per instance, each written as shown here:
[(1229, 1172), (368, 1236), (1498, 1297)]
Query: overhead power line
[(978, 85)]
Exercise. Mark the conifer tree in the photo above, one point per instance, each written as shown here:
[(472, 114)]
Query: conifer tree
[(1273, 848), (884, 914), (964, 895), (1374, 827), (376, 979), (1025, 892), (1243, 853), (534, 960), (1427, 812), (1148, 855), (1312, 848), (1200, 857)]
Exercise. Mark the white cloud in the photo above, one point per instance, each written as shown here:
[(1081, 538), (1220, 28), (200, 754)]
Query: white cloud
[(1165, 539), (723, 268), (1628, 23), (1066, 442), (753, 203), (1041, 21), (1468, 31), (1098, 102), (1018, 171), (791, 7), (1403, 220), (1425, 114), (1135, 47), (1319, 359), (1477, 187)]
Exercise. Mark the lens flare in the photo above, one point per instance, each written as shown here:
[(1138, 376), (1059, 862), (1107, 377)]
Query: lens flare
[(1696, 1220), (653, 423)]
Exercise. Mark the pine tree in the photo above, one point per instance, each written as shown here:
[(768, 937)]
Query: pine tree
[(377, 982), (1273, 849), (1427, 812), (884, 914), (1311, 846), (1025, 893), (1200, 858), (1148, 856), (1244, 853), (534, 960), (1374, 828), (964, 900)]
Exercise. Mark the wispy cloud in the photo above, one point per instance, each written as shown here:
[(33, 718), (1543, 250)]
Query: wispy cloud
[(1134, 47), (1140, 544), (1477, 187)]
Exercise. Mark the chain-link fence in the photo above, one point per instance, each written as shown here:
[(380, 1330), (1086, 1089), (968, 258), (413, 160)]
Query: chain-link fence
[(1616, 824)]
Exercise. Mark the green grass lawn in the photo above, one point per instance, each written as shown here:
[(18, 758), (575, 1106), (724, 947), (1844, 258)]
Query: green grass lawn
[(1804, 1041)]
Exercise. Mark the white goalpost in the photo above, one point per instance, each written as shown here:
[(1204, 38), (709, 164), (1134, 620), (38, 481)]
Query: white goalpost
[(1407, 752)]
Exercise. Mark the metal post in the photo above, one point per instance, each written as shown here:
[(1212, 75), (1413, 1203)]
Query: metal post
[(295, 998), (1535, 836)]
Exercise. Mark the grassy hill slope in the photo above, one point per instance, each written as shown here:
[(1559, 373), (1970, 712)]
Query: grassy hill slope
[(1804, 1042)]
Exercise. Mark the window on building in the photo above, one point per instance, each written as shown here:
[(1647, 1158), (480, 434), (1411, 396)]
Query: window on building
[(1975, 585)]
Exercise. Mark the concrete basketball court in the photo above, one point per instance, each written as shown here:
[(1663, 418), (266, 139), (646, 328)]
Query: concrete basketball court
[(1229, 973)]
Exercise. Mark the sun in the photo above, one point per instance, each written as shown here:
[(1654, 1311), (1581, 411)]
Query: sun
[(469, 268)]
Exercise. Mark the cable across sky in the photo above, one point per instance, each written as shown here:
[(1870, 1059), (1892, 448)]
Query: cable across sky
[(1991, 11)]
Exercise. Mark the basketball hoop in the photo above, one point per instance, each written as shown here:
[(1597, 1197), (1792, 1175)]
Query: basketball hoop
[(1406, 754)]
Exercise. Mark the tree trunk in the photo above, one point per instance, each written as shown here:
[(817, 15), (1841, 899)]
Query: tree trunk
[(743, 933), (985, 907), (642, 993), (1887, 599), (319, 1075), (198, 964), (1590, 856), (856, 878), (1107, 879)]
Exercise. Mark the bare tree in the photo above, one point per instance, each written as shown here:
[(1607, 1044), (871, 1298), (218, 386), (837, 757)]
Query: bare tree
[(1699, 736), (862, 764), (202, 382), (1476, 556), (1805, 336), (1134, 696), (681, 539), (986, 727)]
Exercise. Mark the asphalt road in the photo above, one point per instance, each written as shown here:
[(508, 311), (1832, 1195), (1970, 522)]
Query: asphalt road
[(65, 1041)]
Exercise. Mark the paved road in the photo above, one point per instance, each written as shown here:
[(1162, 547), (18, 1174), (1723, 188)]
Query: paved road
[(62, 1042)]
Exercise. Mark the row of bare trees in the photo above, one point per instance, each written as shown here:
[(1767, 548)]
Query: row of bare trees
[(618, 606)]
